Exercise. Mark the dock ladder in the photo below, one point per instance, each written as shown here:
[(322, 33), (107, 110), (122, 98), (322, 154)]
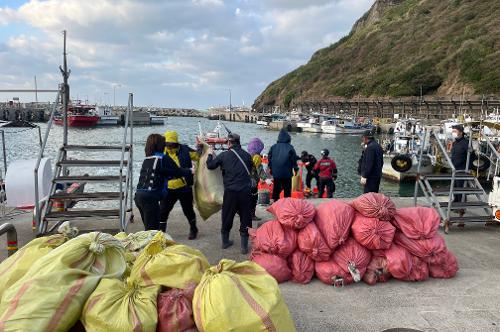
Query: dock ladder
[(458, 182)]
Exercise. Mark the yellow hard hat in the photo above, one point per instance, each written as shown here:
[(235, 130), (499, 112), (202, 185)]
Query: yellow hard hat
[(171, 137)]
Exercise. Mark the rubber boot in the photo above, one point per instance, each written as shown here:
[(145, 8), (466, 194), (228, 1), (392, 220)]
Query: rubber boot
[(226, 243), (193, 230), (244, 244)]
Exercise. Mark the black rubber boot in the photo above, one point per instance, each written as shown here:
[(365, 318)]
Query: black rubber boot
[(193, 230), (226, 243), (244, 244)]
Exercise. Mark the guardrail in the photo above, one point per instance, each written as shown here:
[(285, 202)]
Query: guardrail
[(11, 237), (127, 193)]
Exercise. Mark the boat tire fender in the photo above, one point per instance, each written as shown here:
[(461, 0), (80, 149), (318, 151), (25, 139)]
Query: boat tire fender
[(401, 163)]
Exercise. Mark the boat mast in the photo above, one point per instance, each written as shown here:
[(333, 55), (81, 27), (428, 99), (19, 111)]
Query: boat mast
[(65, 91)]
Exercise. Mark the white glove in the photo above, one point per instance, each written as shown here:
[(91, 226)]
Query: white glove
[(269, 181), (363, 181)]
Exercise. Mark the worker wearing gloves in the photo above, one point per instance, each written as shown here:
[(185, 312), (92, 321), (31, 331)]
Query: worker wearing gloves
[(327, 173), (371, 163), (282, 163), (179, 188), (236, 165), (309, 162), (255, 147)]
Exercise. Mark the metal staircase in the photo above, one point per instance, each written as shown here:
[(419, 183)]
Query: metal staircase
[(473, 205), (48, 219)]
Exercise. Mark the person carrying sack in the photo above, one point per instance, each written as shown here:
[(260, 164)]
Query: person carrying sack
[(236, 164)]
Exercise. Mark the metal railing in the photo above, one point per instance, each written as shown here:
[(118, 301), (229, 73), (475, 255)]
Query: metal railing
[(127, 193), (11, 237), (40, 156), (494, 157)]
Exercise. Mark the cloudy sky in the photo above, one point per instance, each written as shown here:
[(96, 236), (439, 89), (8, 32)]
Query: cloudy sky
[(178, 53)]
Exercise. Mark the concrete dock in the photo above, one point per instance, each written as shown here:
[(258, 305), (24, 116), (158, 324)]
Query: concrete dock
[(468, 302)]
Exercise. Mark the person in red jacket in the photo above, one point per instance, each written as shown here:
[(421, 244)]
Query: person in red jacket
[(327, 173)]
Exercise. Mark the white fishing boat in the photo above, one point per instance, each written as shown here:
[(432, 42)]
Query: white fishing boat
[(106, 117), (310, 125), (328, 125), (264, 120), (350, 127)]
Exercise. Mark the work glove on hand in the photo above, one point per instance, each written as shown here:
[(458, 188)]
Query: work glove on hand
[(269, 181), (363, 181)]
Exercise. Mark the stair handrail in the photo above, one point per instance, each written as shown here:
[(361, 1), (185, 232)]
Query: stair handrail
[(11, 237), (40, 156), (495, 153), (453, 172), (123, 198)]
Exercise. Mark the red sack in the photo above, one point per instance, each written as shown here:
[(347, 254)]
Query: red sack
[(274, 239), (292, 212), (334, 219), (444, 266), (419, 270), (376, 271), (417, 222), (426, 249), (372, 233), (274, 265), (399, 261), (175, 310), (311, 242), (353, 258), (330, 273), (374, 205), (302, 267)]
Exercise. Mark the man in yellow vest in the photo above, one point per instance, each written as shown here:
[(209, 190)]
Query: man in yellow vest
[(180, 188)]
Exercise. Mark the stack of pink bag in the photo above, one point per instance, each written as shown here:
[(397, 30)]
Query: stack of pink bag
[(367, 239)]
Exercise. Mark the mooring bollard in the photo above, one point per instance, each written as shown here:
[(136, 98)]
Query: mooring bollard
[(11, 237)]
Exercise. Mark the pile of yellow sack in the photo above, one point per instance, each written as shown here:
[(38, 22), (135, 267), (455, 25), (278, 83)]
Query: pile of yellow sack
[(136, 282)]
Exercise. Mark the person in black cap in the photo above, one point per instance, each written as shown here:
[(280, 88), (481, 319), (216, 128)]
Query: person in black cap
[(309, 162), (236, 165), (371, 163), (459, 151)]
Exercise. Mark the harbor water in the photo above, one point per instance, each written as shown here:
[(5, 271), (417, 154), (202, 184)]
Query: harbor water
[(22, 143)]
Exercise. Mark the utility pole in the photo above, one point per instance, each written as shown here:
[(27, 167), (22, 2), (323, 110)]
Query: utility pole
[(36, 92), (65, 91)]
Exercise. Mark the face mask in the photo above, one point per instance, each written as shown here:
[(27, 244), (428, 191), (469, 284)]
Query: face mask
[(455, 135)]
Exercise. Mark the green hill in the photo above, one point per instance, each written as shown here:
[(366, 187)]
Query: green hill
[(399, 47)]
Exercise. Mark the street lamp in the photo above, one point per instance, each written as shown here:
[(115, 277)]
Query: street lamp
[(114, 94), (230, 106)]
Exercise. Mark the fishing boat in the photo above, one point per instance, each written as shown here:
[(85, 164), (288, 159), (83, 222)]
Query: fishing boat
[(106, 117), (79, 115), (310, 125), (328, 125), (351, 127), (264, 120)]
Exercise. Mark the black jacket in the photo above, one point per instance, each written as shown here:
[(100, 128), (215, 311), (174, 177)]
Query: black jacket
[(312, 161), (372, 160), (459, 152), (234, 174), (282, 157)]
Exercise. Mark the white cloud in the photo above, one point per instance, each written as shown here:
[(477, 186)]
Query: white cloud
[(176, 52)]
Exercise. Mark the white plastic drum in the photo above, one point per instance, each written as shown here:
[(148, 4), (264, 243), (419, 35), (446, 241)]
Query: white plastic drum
[(20, 182)]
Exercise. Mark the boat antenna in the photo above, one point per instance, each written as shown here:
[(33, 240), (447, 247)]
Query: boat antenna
[(65, 90)]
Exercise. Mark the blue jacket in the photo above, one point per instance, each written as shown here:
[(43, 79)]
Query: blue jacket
[(372, 161), (282, 157)]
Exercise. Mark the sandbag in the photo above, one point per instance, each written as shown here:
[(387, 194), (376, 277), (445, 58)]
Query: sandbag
[(274, 265), (353, 258), (121, 306), (208, 186), (292, 212), (377, 271), (426, 249), (169, 265), (375, 205), (52, 293), (399, 261), (15, 267), (417, 222), (330, 273), (444, 266), (372, 233), (419, 270), (302, 267), (175, 310), (139, 240), (239, 297), (274, 239), (311, 242), (334, 219)]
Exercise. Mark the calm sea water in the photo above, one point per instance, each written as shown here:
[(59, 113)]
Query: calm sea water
[(345, 149)]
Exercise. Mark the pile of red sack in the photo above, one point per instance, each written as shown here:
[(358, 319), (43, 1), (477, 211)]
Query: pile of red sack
[(367, 239)]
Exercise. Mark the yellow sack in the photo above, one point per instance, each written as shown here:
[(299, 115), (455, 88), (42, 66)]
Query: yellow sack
[(240, 297), (138, 241), (15, 267), (51, 295), (167, 264), (208, 187), (121, 306)]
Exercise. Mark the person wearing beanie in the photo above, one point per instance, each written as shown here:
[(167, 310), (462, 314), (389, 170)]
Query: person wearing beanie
[(372, 161), (255, 147), (236, 165), (180, 188)]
